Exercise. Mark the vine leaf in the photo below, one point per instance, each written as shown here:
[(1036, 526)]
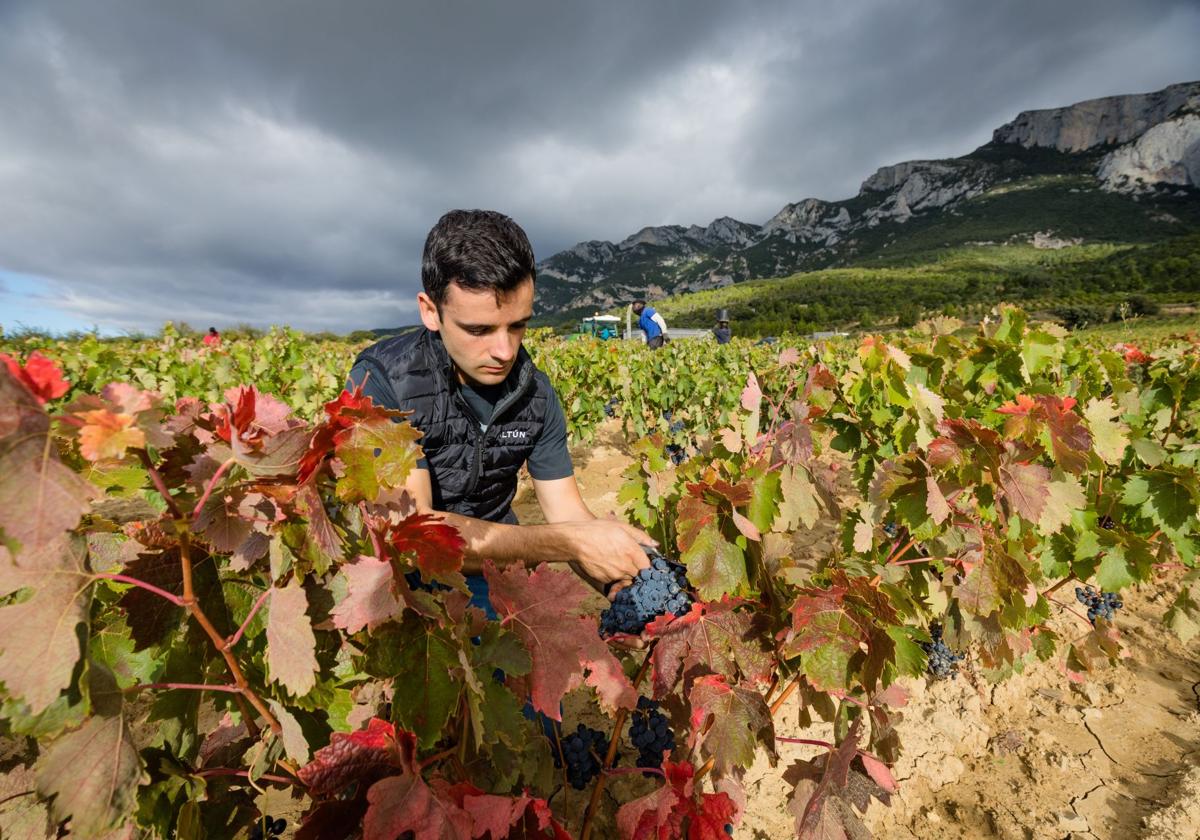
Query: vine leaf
[(1024, 485), (291, 645), (740, 721), (40, 498), (1064, 496), (421, 664), (715, 566), (360, 756), (816, 782), (39, 644), (521, 817), (106, 435), (93, 772), (1110, 436), (376, 454), (369, 600), (711, 638), (150, 617), (679, 802), (542, 608), (404, 802), (438, 547), (40, 376)]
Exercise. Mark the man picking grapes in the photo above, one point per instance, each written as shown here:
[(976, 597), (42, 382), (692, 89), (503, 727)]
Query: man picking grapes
[(486, 410)]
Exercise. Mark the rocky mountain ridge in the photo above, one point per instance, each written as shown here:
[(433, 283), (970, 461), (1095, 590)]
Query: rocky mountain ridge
[(1138, 145)]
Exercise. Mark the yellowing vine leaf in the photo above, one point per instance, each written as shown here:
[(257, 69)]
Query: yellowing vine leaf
[(291, 645)]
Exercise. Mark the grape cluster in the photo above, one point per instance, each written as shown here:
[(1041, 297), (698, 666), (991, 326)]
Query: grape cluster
[(1106, 522), (583, 753), (676, 453), (266, 828), (660, 589), (943, 662), (889, 528), (1100, 604), (650, 733), (610, 407)]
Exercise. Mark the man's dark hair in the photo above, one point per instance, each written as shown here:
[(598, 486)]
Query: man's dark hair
[(477, 249), (639, 303)]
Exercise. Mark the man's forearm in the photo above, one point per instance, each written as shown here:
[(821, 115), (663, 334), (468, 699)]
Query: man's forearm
[(503, 544)]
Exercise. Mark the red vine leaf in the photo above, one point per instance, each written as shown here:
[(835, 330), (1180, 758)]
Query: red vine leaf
[(711, 638), (521, 817), (663, 814), (438, 547), (353, 757), (740, 721), (402, 803), (41, 376), (543, 609)]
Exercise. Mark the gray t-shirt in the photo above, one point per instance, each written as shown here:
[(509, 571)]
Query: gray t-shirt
[(550, 458)]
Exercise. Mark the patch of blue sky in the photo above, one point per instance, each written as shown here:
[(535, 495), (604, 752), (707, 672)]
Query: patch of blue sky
[(28, 302)]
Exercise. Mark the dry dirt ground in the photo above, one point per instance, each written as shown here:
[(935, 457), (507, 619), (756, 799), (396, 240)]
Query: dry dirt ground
[(1033, 757)]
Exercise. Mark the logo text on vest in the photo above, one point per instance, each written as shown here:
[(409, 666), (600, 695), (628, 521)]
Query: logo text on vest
[(512, 434)]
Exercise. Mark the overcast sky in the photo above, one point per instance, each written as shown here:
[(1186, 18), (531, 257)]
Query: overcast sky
[(237, 161)]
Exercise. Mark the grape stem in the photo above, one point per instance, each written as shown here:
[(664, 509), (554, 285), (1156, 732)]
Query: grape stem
[(1058, 586), (237, 637), (245, 774), (232, 689), (212, 483), (611, 756), (149, 587)]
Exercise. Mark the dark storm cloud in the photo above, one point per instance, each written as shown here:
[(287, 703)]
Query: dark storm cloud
[(281, 162)]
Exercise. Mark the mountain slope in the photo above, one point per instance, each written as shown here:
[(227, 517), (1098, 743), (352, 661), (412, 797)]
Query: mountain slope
[(1119, 169)]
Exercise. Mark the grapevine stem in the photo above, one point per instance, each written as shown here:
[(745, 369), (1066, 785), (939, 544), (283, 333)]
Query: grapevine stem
[(172, 505), (911, 560), (237, 637), (245, 774), (174, 599), (897, 555), (436, 757), (212, 483), (1058, 586), (619, 724), (782, 698), (232, 689), (1072, 611)]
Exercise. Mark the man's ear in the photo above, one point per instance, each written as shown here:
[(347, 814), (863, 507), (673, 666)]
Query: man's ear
[(429, 312)]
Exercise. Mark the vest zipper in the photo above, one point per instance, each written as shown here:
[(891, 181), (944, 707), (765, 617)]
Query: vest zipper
[(481, 436)]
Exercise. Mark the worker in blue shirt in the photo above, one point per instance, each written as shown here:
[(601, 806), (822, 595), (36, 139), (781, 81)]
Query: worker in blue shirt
[(651, 323)]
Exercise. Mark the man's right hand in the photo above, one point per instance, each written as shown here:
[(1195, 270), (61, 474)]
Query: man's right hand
[(609, 551)]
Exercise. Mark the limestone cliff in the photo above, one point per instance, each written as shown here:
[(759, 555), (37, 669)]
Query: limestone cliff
[(1112, 120)]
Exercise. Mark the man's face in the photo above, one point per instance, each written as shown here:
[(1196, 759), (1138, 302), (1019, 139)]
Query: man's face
[(481, 335), (638, 307)]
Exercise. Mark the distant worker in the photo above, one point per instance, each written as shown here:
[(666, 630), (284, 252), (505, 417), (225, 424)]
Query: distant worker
[(721, 331), (651, 323), (213, 339)]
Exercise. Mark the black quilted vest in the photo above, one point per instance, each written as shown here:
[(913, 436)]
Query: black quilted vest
[(474, 473)]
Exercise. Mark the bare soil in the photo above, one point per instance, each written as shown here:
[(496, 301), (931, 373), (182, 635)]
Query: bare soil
[(1033, 757)]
